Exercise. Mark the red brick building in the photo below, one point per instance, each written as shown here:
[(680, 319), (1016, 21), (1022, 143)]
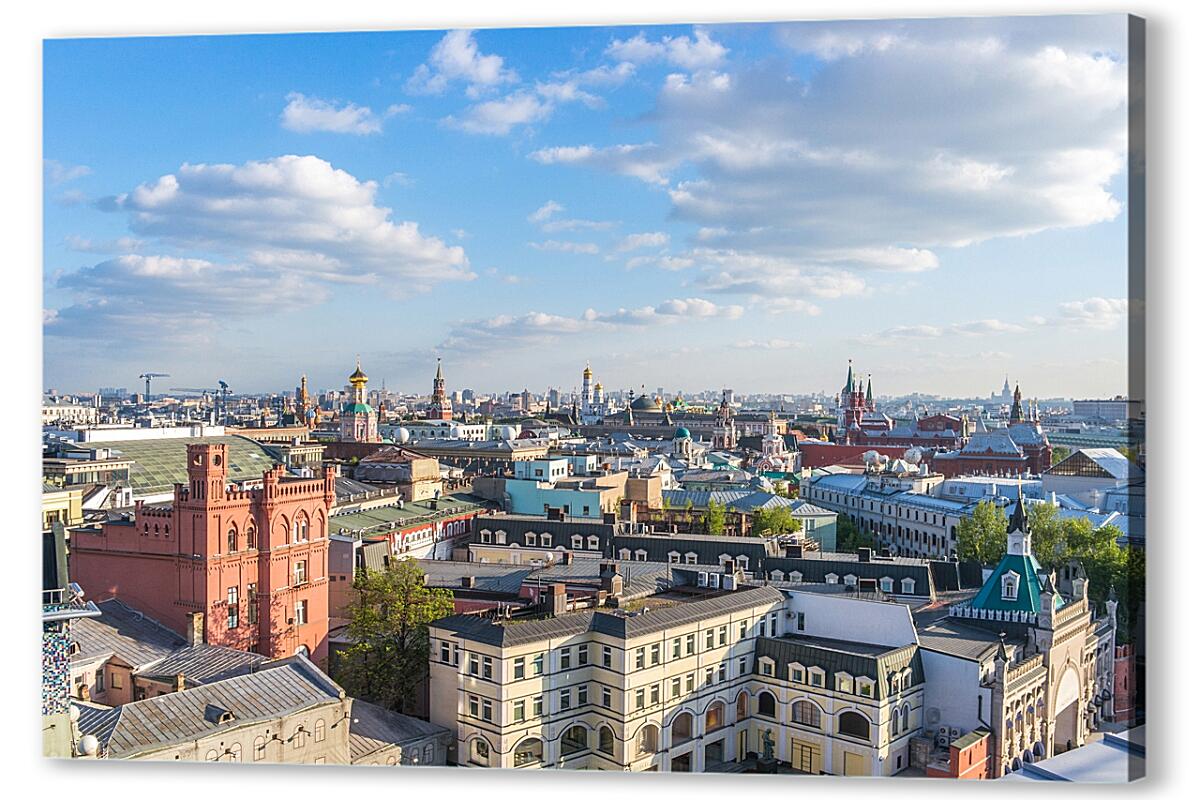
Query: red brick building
[(966, 758), (249, 566), (1124, 684)]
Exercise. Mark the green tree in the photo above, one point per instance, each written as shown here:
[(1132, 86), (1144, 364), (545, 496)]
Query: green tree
[(773, 521), (389, 628), (981, 536), (1058, 453), (714, 519), (849, 537), (1048, 535)]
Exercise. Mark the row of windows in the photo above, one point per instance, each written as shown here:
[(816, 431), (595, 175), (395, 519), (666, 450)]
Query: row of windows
[(298, 739), (576, 738)]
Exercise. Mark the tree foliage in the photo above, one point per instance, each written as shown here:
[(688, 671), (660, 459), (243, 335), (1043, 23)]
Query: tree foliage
[(1058, 453), (773, 521), (981, 536), (849, 537), (714, 519), (389, 628)]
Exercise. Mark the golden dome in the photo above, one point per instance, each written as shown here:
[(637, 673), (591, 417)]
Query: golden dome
[(587, 370), (358, 376)]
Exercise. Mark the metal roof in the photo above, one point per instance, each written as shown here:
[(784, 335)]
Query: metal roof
[(386, 518), (204, 663), (835, 655), (373, 728), (611, 623), (123, 632), (280, 688)]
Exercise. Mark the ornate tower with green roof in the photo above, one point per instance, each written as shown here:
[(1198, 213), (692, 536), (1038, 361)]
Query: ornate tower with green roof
[(358, 421)]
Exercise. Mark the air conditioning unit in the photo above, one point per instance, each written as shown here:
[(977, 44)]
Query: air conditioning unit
[(955, 733), (729, 582), (943, 741), (702, 579), (944, 731)]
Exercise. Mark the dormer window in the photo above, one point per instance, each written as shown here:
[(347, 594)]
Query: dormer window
[(673, 557), (1010, 582)]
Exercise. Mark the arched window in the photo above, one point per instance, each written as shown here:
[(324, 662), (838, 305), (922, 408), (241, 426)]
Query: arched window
[(428, 756), (481, 751), (806, 712), (895, 729), (904, 717), (528, 752), (251, 536), (575, 740), (766, 705), (681, 728), (743, 705), (715, 717), (851, 723), (211, 755), (260, 748), (608, 743), (231, 540), (235, 751), (319, 731), (647, 740)]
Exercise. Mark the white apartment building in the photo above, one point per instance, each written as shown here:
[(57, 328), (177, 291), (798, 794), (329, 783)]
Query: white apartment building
[(683, 680)]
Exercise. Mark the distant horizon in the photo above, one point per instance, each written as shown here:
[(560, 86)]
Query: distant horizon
[(944, 200)]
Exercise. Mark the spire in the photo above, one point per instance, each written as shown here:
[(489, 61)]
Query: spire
[(849, 377), (1016, 413), (439, 369), (1018, 521), (869, 398)]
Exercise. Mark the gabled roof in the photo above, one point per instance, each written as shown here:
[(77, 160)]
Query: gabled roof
[(123, 632), (372, 728)]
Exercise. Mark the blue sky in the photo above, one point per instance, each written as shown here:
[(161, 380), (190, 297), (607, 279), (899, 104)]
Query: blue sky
[(688, 207)]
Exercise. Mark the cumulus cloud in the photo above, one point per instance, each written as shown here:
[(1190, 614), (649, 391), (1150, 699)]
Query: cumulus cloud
[(456, 59), (541, 328), (556, 246), (924, 331), (304, 114), (1099, 313), (147, 299), (686, 52), (498, 117), (907, 138), (544, 217), (294, 213)]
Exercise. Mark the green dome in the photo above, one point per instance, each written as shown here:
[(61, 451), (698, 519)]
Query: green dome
[(682, 433)]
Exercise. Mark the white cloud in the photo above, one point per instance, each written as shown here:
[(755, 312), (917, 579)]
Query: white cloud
[(911, 136), (636, 241), (122, 244), (541, 328), (1100, 313), (498, 117), (57, 172), (456, 58), (155, 299), (556, 246), (293, 214), (305, 114), (568, 92), (770, 344), (603, 76), (680, 51), (547, 210)]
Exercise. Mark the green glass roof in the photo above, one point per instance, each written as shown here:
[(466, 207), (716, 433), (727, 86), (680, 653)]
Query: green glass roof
[(158, 464), (385, 518)]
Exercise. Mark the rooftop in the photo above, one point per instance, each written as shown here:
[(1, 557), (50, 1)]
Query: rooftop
[(385, 518), (159, 464)]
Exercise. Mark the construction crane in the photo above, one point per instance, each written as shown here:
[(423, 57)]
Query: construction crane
[(147, 376), (222, 400)]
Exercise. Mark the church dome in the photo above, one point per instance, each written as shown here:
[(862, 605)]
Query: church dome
[(682, 433), (643, 403)]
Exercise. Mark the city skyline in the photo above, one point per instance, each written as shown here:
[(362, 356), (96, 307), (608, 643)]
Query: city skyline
[(675, 203)]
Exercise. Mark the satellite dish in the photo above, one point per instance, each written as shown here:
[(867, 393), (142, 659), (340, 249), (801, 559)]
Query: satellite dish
[(913, 455), (73, 713), (89, 745), (402, 436)]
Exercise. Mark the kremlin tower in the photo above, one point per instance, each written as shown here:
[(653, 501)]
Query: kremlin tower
[(439, 405)]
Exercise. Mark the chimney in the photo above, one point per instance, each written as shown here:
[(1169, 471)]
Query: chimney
[(611, 582), (864, 555), (568, 557), (609, 518), (555, 599), (554, 513), (195, 629), (468, 581), (180, 682), (794, 551)]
